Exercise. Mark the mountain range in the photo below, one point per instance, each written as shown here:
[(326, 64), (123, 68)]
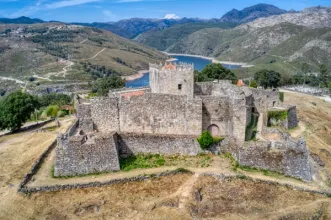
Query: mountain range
[(262, 35)]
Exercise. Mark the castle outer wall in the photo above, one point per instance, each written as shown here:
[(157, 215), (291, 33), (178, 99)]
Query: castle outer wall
[(150, 114)]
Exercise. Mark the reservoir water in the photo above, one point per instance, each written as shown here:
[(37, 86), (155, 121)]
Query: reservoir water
[(199, 64)]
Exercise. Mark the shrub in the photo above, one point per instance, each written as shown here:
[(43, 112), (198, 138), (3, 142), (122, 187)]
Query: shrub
[(62, 113), (52, 110), (253, 84), (205, 140), (32, 78)]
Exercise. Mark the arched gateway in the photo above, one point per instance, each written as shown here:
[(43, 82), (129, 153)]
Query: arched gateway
[(214, 130)]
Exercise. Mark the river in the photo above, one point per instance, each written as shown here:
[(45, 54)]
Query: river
[(199, 64)]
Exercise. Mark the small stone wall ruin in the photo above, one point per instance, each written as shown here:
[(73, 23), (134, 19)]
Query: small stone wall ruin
[(78, 155)]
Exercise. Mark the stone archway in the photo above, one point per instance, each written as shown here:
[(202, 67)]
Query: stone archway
[(214, 130)]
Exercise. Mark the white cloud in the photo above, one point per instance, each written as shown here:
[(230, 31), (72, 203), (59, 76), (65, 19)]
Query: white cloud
[(67, 3), (109, 16), (171, 16)]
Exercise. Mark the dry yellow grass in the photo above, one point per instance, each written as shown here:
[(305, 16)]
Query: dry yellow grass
[(315, 125)]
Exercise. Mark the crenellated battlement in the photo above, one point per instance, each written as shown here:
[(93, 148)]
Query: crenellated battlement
[(173, 66), (172, 78)]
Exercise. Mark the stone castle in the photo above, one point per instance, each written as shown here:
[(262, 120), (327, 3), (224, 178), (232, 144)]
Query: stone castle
[(169, 115)]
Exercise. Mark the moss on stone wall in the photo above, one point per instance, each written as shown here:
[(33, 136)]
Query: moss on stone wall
[(276, 117), (281, 96), (251, 129)]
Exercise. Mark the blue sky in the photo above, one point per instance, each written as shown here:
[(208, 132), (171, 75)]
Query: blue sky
[(113, 10)]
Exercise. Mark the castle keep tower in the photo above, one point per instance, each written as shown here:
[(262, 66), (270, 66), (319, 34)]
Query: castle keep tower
[(174, 79)]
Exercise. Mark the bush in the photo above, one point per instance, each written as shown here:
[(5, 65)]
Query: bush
[(32, 78), (62, 113), (253, 84), (206, 140), (51, 111)]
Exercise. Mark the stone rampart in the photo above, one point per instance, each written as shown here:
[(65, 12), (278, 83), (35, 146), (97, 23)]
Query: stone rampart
[(105, 114), (83, 110), (292, 118), (131, 144), (161, 114), (216, 110), (80, 155), (287, 156), (263, 100)]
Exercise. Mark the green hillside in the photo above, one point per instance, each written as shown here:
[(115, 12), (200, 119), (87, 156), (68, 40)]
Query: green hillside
[(56, 51), (163, 39)]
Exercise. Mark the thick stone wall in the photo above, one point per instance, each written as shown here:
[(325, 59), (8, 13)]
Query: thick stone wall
[(239, 117), (285, 156), (86, 125), (83, 110), (239, 106), (217, 111), (220, 88), (79, 155), (105, 114), (175, 80), (132, 144), (292, 118), (161, 114), (264, 100)]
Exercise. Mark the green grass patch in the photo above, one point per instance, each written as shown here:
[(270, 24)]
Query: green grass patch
[(141, 161), (278, 115), (218, 139)]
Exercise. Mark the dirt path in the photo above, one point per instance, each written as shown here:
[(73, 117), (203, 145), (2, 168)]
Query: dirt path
[(97, 54), (185, 191), (12, 79), (83, 41), (299, 131)]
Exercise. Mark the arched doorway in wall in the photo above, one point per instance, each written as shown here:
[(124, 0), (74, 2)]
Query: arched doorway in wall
[(214, 130)]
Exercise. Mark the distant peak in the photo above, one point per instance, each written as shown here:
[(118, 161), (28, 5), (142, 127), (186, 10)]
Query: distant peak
[(251, 13)]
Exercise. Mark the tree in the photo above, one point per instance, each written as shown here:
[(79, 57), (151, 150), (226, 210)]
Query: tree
[(329, 85), (215, 71), (54, 99), (103, 85), (304, 69), (16, 109), (267, 78), (324, 75)]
